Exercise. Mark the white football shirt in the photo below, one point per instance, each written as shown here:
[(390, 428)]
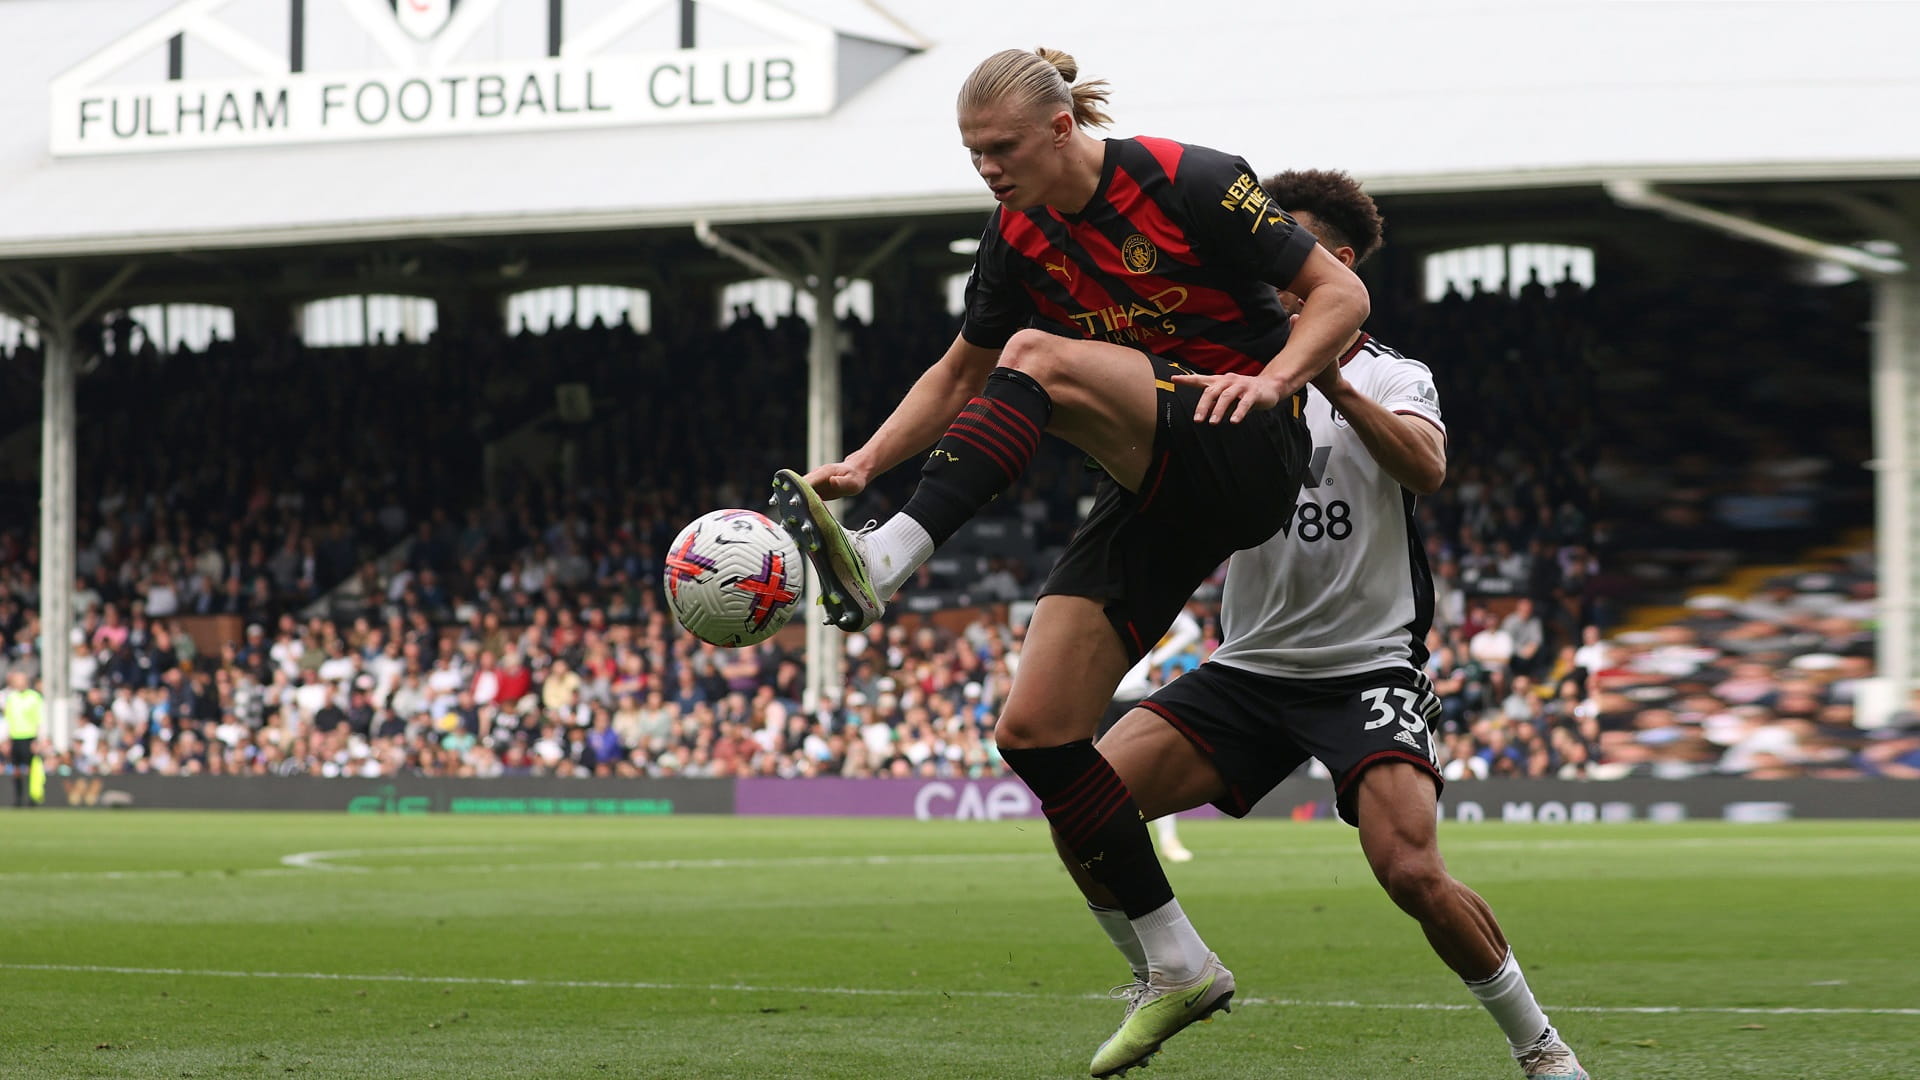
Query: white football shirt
[(1344, 586)]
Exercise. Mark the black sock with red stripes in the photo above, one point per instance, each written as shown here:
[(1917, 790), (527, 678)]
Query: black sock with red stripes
[(1092, 810), (986, 449)]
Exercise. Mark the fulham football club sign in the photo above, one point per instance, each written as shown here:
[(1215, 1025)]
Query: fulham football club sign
[(232, 73)]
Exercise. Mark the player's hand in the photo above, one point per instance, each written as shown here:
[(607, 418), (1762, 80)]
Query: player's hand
[(1231, 397), (1329, 381), (838, 480)]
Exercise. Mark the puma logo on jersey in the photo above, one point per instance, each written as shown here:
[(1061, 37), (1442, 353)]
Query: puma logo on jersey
[(1063, 268)]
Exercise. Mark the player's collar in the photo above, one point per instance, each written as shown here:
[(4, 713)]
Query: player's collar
[(1354, 350), (1109, 161)]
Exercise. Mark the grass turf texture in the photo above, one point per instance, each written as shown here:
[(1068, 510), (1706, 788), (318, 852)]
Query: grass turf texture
[(728, 947)]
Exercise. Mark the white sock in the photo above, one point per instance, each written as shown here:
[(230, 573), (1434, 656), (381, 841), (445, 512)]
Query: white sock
[(1507, 997), (1165, 833), (894, 551), (1120, 932), (1174, 950)]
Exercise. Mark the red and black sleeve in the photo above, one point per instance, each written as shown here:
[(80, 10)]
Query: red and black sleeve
[(1235, 222), (997, 304)]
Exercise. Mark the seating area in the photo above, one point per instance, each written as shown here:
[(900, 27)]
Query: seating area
[(495, 609)]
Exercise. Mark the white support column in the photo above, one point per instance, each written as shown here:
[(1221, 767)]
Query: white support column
[(57, 501), (826, 645), (820, 280), (58, 310), (1896, 441)]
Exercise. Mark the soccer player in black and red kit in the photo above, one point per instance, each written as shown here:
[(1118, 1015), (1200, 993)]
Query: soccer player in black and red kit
[(1123, 299)]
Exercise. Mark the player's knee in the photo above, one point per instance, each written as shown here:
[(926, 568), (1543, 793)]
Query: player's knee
[(1034, 352), (1022, 731)]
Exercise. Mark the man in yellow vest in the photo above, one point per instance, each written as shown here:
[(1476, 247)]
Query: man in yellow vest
[(24, 709)]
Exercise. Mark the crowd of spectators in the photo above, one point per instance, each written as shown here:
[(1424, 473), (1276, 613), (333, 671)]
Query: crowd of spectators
[(1765, 686), (1627, 446), (558, 697), (404, 613)]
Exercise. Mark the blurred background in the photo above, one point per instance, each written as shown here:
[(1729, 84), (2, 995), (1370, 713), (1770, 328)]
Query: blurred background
[(358, 359)]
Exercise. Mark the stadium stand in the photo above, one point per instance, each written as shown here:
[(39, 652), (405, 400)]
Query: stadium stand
[(404, 612)]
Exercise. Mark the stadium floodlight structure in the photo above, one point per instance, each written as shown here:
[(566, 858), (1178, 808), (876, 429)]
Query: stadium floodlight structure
[(1896, 397)]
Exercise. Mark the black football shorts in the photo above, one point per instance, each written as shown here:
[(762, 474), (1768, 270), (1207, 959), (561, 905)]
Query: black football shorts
[(1210, 490), (1257, 729)]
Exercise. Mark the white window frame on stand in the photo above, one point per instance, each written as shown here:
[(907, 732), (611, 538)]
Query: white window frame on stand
[(540, 310), (773, 299), (362, 319), (1505, 268)]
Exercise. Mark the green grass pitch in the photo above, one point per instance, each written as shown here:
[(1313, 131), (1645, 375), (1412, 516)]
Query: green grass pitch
[(172, 944)]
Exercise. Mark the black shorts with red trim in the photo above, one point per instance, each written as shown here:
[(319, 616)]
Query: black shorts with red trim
[(1257, 729), (1209, 491)]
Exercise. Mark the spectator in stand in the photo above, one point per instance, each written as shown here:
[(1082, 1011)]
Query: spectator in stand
[(1523, 630)]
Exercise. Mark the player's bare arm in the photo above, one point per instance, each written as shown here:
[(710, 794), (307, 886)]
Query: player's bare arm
[(916, 423), (1408, 448), (1335, 307)]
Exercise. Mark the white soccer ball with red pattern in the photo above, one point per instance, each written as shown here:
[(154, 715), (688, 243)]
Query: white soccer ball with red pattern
[(734, 578)]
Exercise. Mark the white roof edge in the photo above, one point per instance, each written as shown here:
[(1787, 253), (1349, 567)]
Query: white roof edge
[(488, 225), (1513, 179), (899, 207)]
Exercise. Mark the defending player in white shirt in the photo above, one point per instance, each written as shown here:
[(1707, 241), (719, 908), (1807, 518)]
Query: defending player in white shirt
[(1324, 631)]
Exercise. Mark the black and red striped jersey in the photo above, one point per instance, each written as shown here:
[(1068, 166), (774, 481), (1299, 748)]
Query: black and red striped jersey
[(1178, 253)]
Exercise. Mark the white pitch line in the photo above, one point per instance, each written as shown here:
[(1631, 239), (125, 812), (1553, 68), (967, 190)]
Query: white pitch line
[(323, 860), (855, 991)]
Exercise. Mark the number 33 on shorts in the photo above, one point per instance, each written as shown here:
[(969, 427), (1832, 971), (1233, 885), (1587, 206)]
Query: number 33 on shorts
[(1413, 708)]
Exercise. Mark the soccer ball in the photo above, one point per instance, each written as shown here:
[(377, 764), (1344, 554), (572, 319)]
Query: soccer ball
[(734, 578)]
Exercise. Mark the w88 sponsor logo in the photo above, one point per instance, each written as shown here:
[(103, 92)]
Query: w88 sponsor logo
[(1311, 522)]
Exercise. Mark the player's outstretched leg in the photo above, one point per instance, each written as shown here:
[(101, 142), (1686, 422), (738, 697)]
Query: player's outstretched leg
[(986, 449), (1397, 832)]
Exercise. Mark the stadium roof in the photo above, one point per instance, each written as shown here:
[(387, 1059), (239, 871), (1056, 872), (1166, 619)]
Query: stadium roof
[(1410, 95)]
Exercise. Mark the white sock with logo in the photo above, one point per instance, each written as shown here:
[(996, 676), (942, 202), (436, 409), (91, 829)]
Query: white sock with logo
[(1120, 932), (894, 551), (1174, 950), (1509, 1000)]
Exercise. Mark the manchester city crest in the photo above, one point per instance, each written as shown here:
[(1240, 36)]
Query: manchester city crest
[(1139, 254)]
